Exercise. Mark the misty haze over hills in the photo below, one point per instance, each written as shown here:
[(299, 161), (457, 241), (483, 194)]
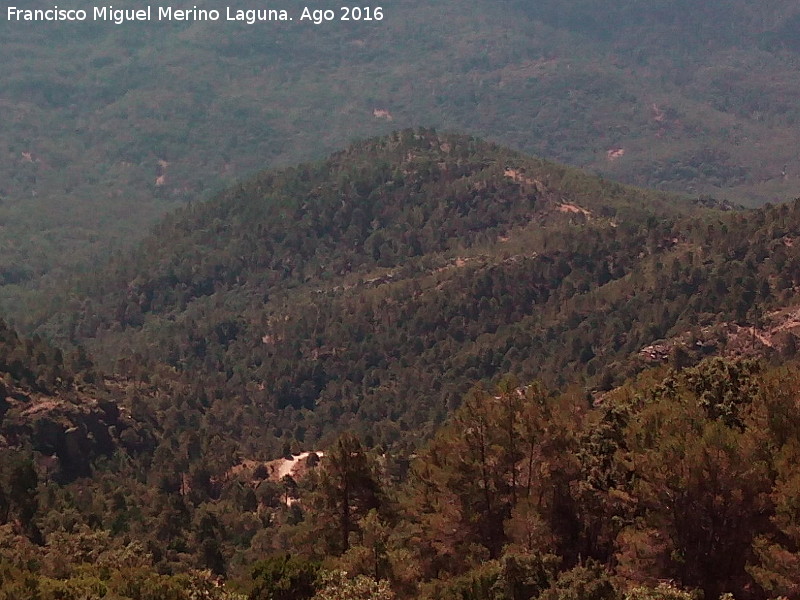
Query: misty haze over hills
[(106, 127)]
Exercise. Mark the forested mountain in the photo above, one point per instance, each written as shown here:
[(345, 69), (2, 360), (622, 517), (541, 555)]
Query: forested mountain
[(371, 290), (428, 366), (375, 287), (510, 380), (106, 127)]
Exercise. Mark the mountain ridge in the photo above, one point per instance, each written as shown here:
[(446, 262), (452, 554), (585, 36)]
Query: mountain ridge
[(373, 289)]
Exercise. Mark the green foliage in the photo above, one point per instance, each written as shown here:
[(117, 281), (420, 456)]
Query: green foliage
[(415, 266), (121, 585), (420, 266), (283, 577), (663, 591), (723, 388), (519, 497), (697, 477), (682, 494), (336, 585), (347, 490), (524, 576), (479, 583), (589, 582), (776, 569), (33, 363), (22, 486)]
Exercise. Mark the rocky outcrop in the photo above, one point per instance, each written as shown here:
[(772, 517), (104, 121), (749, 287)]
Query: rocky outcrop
[(70, 431)]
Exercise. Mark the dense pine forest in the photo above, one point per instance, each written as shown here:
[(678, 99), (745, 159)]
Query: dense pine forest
[(245, 357), (425, 367), (682, 476)]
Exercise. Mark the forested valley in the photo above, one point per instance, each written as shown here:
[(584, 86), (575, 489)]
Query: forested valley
[(425, 367), (248, 352)]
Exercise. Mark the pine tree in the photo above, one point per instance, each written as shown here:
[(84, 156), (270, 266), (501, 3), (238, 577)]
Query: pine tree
[(347, 489)]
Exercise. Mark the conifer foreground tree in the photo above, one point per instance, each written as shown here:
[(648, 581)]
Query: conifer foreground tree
[(347, 489)]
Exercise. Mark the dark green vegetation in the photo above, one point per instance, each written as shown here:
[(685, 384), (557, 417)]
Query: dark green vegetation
[(465, 331), (683, 476), (107, 127), (373, 289), (59, 406)]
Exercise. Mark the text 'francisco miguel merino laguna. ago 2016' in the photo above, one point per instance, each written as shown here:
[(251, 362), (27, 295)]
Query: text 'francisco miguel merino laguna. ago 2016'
[(167, 13)]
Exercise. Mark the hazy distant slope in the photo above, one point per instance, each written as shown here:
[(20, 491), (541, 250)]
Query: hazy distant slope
[(106, 127)]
